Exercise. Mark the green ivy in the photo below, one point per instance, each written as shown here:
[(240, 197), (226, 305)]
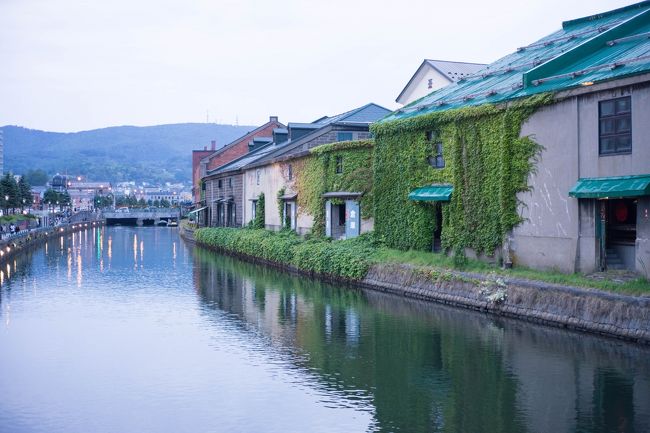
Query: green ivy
[(347, 259), (486, 161), (280, 203), (316, 175), (259, 221)]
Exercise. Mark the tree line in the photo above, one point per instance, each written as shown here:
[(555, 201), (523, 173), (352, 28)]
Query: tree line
[(14, 194)]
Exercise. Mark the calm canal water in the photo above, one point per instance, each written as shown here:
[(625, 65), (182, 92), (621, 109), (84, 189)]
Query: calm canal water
[(131, 330)]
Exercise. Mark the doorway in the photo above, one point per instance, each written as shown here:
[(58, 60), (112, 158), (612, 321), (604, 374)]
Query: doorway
[(617, 233), (437, 232)]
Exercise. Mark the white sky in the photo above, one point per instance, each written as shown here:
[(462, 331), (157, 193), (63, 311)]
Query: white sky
[(69, 65)]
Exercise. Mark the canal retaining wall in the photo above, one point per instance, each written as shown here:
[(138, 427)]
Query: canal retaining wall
[(15, 244), (588, 310)]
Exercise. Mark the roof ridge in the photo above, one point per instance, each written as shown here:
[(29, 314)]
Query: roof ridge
[(454, 61), (606, 14), (243, 137)]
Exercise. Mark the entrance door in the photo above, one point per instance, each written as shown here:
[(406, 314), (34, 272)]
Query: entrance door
[(620, 233), (352, 219)]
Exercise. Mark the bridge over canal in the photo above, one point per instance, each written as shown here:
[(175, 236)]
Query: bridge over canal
[(138, 217)]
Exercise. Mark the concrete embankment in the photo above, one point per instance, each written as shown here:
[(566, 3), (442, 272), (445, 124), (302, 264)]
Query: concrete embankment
[(613, 315), (15, 244)]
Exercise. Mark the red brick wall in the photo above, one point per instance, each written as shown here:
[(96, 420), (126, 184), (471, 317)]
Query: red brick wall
[(240, 147), (197, 156)]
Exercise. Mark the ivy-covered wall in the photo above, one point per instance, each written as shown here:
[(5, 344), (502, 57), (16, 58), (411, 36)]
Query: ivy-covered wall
[(316, 174), (486, 161)]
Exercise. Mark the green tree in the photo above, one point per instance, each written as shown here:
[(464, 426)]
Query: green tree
[(50, 196), (36, 177), (9, 192), (102, 201), (24, 192), (142, 203), (165, 203)]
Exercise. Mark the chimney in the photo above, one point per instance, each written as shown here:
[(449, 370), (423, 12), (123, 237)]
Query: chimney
[(273, 119), (213, 144)]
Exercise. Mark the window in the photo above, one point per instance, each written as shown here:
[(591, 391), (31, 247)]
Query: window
[(339, 164), (430, 83), (436, 160), (615, 126), (290, 172), (258, 174), (254, 209), (230, 182), (344, 136), (220, 184)]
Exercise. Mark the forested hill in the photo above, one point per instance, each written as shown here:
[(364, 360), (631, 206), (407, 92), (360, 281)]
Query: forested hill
[(152, 153)]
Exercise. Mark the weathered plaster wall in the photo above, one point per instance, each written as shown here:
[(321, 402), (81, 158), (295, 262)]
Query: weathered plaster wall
[(643, 237), (558, 231), (271, 181), (547, 239)]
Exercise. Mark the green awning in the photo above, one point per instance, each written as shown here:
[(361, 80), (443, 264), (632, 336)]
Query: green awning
[(432, 193), (612, 187)]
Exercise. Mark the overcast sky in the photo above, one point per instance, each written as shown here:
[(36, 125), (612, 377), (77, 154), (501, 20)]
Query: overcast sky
[(69, 65)]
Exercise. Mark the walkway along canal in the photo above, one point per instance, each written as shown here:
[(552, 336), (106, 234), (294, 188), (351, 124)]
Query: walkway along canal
[(133, 330)]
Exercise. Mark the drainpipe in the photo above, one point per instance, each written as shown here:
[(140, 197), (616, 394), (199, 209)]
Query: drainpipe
[(576, 265)]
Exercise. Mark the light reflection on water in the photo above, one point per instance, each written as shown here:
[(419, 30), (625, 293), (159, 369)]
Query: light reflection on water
[(181, 339)]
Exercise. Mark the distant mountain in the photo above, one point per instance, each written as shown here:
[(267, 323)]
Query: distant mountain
[(155, 154)]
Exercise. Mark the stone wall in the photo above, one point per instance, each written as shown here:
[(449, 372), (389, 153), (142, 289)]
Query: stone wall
[(604, 313)]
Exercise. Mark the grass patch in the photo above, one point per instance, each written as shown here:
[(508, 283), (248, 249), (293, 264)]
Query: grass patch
[(8, 219), (353, 258), (639, 286)]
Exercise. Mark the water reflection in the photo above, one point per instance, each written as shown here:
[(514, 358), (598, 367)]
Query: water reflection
[(182, 340), (432, 368)]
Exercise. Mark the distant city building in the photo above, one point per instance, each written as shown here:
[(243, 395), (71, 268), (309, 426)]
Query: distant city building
[(82, 194), (59, 182)]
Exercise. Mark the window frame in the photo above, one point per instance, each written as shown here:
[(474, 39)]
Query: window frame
[(338, 169), (616, 134), (437, 159), (345, 134)]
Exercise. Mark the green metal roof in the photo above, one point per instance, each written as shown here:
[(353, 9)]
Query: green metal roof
[(432, 193), (612, 187), (588, 50)]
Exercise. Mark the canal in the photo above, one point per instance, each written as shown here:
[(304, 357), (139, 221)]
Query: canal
[(125, 329)]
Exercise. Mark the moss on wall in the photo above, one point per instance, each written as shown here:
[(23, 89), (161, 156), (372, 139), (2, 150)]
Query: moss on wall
[(486, 161), (316, 174)]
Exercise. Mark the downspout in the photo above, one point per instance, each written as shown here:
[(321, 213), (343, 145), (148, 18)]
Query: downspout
[(576, 265)]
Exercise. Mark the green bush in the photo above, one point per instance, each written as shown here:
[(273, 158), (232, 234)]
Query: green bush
[(347, 259)]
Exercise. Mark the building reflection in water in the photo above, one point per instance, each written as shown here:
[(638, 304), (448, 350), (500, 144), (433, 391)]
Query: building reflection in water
[(429, 367)]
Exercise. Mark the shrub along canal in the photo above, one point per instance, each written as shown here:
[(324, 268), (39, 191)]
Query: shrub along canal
[(122, 329)]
